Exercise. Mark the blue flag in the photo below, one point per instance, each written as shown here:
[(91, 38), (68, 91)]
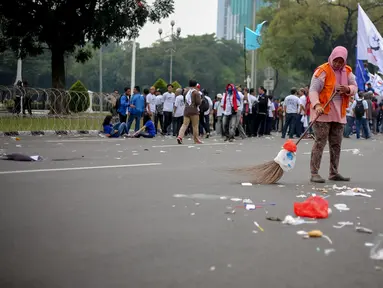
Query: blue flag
[(253, 39), (361, 75)]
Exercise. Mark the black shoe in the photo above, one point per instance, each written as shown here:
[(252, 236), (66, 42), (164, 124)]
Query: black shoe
[(317, 179), (339, 178)]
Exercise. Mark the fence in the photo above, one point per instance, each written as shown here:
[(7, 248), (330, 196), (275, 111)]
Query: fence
[(35, 109)]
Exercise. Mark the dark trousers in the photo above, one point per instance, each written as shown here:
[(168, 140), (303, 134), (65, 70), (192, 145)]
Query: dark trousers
[(247, 123), (269, 125), (159, 118), (168, 116), (299, 126), (177, 121), (348, 127), (204, 123), (134, 117), (362, 122), (253, 121), (17, 105), (291, 119), (260, 124), (122, 117), (27, 105)]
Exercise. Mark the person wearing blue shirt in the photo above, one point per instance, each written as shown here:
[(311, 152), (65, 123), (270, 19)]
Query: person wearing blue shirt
[(136, 109), (113, 131), (150, 130), (122, 105)]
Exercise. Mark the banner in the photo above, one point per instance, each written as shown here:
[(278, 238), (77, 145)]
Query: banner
[(370, 42)]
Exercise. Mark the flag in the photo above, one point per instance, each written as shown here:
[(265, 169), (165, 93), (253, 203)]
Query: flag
[(370, 42), (253, 39), (361, 75), (377, 84)]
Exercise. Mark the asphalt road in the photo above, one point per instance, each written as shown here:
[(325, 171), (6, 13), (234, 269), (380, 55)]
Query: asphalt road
[(101, 213)]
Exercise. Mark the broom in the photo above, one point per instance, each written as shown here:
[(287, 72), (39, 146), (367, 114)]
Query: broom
[(270, 172)]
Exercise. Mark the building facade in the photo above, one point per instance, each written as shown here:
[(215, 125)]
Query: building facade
[(234, 15)]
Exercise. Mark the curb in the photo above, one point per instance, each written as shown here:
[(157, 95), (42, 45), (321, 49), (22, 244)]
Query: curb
[(50, 133)]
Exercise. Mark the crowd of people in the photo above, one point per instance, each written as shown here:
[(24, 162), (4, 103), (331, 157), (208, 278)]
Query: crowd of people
[(236, 112)]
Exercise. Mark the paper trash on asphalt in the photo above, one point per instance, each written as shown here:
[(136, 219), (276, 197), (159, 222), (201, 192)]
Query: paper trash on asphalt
[(21, 157), (290, 220), (352, 193), (247, 184), (376, 252), (342, 224), (341, 207)]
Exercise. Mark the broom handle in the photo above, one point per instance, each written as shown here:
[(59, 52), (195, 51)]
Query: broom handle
[(315, 119)]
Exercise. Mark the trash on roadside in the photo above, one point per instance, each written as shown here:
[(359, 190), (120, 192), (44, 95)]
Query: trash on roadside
[(342, 224), (328, 251), (315, 233), (236, 199), (21, 157), (290, 220), (15, 138), (247, 184), (301, 196), (363, 230), (163, 151), (281, 186), (367, 244), (259, 227), (212, 268), (250, 207), (376, 252), (277, 219), (341, 207), (232, 212), (313, 207), (352, 193)]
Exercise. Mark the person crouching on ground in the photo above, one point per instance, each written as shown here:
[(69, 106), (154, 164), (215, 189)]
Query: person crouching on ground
[(113, 131), (147, 131), (332, 76)]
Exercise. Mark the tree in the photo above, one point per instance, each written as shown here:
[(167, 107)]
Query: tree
[(161, 84), (79, 98), (302, 34), (176, 85), (66, 26)]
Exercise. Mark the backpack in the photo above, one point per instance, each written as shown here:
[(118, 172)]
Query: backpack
[(204, 105), (263, 104), (359, 109), (118, 103)]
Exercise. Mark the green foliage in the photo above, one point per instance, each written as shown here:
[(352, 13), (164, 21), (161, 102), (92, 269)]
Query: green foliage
[(176, 85), (79, 97), (302, 34), (64, 27), (161, 84)]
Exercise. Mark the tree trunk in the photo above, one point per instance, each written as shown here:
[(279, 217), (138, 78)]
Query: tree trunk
[(59, 98)]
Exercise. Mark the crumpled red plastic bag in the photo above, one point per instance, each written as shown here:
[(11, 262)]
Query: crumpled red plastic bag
[(290, 146), (313, 207)]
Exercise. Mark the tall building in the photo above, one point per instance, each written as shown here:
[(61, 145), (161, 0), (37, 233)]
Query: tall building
[(234, 15)]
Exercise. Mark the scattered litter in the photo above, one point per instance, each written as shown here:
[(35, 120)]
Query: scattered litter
[(116, 144), (229, 219), (174, 206), (376, 252), (342, 224), (21, 157), (313, 207), (197, 204), (355, 151), (378, 268), (117, 158), (238, 150), (18, 146), (190, 147), (236, 199), (363, 230), (274, 219), (146, 149), (223, 198), (290, 220), (247, 201), (255, 231), (247, 184), (232, 212), (367, 244), (259, 227), (328, 251), (229, 266), (250, 206), (378, 208), (163, 151), (199, 196), (318, 249), (281, 186), (192, 214), (15, 138), (301, 196), (352, 193), (315, 233), (341, 207), (302, 233), (135, 154), (212, 268)]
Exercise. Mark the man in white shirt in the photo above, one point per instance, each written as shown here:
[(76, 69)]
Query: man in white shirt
[(291, 106), (253, 101), (151, 103), (178, 113), (159, 115), (169, 99), (271, 116), (218, 111), (360, 109), (238, 124), (230, 107), (299, 129)]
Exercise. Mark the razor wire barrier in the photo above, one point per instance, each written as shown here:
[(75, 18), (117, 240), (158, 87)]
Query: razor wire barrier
[(37, 109)]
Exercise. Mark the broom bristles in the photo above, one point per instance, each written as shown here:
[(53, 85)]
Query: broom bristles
[(266, 173)]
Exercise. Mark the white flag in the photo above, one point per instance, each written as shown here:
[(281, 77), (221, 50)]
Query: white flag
[(370, 42), (377, 84)]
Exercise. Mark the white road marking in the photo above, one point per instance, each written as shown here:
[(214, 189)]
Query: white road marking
[(85, 140), (78, 168), (194, 145), (326, 151)]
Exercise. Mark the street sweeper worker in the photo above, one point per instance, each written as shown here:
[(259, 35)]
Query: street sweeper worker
[(331, 77)]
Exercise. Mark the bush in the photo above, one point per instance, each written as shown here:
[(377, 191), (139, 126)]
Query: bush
[(176, 85), (79, 98), (161, 84)]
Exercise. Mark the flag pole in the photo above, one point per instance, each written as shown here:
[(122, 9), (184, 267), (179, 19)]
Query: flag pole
[(244, 50)]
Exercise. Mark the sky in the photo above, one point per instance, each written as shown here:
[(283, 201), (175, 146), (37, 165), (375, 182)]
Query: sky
[(194, 17)]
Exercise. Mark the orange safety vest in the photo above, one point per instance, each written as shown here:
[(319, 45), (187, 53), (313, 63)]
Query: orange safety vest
[(329, 86)]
